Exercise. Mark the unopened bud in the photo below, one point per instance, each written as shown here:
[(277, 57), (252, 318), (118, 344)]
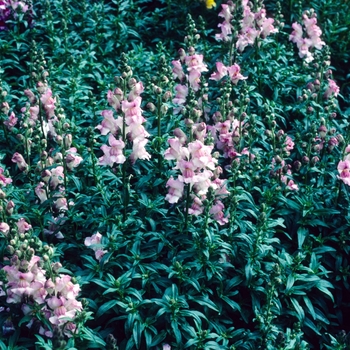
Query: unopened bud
[(314, 160), (151, 107), (305, 160)]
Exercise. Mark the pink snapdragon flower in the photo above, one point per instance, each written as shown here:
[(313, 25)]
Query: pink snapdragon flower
[(344, 171), (114, 98), (175, 191), (57, 177), (11, 121), (233, 72), (253, 26), (41, 192), (332, 89), (4, 228), (113, 153), (94, 242), (49, 103), (139, 150), (4, 180), (312, 40), (72, 158), (19, 160), (195, 67), (108, 124), (178, 70), (217, 212), (23, 226), (226, 26), (221, 72)]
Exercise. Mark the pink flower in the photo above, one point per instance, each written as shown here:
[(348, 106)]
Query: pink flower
[(48, 103), (11, 121), (19, 160), (23, 226), (30, 95), (108, 124), (196, 207), (194, 79), (195, 62), (132, 108), (188, 171), (175, 151), (221, 72), (181, 94), (267, 28), (175, 191), (333, 89), (136, 91), (34, 113), (94, 239), (217, 212), (72, 158), (4, 228), (94, 242), (4, 180), (57, 177), (113, 154), (139, 150), (203, 183), (344, 171), (99, 253), (177, 70), (292, 186), (234, 73), (60, 204), (226, 26)]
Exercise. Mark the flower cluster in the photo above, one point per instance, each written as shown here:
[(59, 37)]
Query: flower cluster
[(312, 40), (7, 7), (198, 170), (28, 286), (195, 66), (253, 25), (234, 72), (226, 26), (130, 126)]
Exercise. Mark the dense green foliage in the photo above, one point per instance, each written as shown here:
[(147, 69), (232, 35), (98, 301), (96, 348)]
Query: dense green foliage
[(269, 269)]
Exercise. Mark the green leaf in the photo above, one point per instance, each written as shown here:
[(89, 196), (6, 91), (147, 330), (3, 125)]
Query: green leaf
[(136, 332), (310, 307), (230, 302), (302, 233), (298, 309), (106, 306), (176, 331)]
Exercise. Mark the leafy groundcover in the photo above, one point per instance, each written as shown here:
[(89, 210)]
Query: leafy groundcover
[(174, 175)]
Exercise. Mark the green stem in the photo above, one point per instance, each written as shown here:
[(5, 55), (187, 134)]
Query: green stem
[(159, 115), (188, 190)]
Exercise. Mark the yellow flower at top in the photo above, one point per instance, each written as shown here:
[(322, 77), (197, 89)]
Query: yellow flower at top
[(210, 4)]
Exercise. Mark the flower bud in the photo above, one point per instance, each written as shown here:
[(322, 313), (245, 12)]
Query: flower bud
[(297, 165), (151, 107), (164, 108), (305, 160), (9, 207), (68, 140), (314, 160), (322, 131), (167, 96)]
